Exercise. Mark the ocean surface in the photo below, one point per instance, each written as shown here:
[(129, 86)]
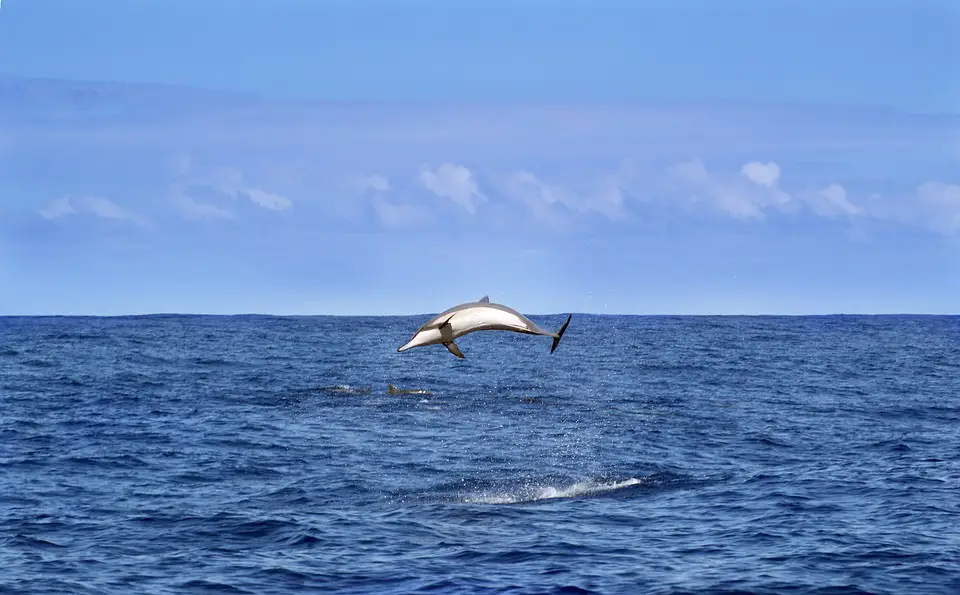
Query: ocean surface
[(257, 454)]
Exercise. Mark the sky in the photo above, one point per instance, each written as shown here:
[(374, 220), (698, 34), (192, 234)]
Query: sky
[(385, 157)]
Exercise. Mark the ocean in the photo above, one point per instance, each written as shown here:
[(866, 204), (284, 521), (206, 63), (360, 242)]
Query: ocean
[(648, 454)]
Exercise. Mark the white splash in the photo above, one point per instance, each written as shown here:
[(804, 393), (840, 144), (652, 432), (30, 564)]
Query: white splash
[(587, 487)]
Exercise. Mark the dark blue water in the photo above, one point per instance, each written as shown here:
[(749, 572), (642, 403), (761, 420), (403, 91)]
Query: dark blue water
[(646, 455)]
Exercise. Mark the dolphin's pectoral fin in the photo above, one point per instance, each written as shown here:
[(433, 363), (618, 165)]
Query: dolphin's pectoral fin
[(484, 300), (452, 348), (446, 329)]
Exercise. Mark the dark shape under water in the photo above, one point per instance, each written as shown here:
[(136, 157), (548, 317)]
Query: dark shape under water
[(392, 390)]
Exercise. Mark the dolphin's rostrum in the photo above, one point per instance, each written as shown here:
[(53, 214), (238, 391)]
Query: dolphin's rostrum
[(476, 316)]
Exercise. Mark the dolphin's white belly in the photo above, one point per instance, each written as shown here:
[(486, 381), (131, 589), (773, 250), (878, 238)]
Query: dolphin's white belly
[(472, 319)]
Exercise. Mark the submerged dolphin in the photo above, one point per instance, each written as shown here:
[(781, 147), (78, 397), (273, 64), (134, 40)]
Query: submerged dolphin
[(392, 390), (476, 316)]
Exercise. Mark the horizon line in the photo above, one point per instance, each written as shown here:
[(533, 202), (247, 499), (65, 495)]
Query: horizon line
[(427, 314)]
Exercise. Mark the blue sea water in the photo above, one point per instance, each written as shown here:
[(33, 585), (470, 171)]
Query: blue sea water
[(255, 454)]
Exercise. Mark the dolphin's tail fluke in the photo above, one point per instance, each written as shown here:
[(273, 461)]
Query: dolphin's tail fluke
[(556, 339)]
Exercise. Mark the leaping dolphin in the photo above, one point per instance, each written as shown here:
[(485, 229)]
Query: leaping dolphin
[(476, 316)]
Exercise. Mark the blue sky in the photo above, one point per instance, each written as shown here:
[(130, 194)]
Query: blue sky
[(396, 157)]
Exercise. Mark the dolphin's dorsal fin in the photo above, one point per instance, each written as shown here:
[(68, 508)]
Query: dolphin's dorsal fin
[(452, 348), (485, 299)]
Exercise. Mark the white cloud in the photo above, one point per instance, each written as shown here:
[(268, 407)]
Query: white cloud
[(91, 205), (529, 189), (360, 185), (757, 192), (267, 200), (938, 193), (228, 181), (104, 208), (455, 182), (764, 174), (933, 205), (541, 197), (58, 208), (608, 200), (192, 209), (731, 196), (832, 201), (610, 196), (544, 152)]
